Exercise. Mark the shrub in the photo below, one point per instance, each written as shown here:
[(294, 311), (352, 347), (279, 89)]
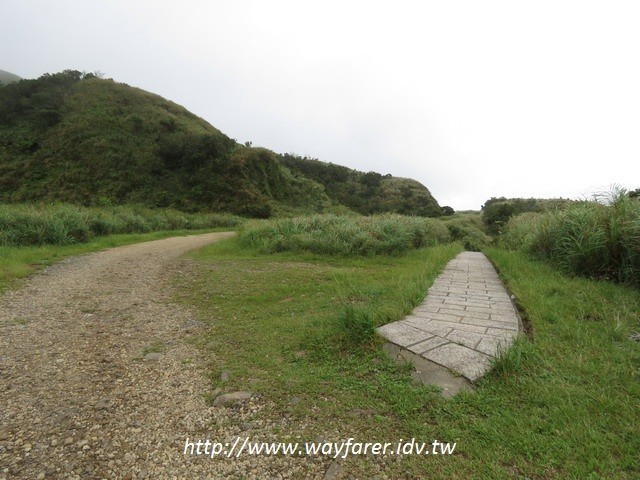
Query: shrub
[(75, 221), (28, 225), (599, 238)]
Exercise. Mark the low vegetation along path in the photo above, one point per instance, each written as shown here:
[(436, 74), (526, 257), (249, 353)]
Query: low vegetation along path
[(96, 380)]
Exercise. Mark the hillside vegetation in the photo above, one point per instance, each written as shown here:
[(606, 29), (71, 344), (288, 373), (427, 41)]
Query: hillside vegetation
[(77, 138), (367, 193), (598, 238)]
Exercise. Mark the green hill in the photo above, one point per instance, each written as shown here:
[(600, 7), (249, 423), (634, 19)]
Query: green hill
[(367, 193), (8, 77), (78, 138)]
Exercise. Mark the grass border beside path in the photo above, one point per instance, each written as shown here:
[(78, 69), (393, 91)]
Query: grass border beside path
[(19, 262), (562, 406), (578, 378)]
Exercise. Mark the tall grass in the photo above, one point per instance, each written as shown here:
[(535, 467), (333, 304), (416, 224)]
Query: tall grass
[(598, 238), (62, 224), (344, 235)]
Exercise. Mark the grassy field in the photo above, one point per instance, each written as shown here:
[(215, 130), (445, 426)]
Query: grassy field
[(297, 328), (560, 405)]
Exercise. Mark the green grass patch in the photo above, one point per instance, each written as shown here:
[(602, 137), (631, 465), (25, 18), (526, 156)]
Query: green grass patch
[(299, 325)]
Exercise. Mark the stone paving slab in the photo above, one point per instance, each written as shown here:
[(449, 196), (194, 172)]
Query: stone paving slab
[(465, 320)]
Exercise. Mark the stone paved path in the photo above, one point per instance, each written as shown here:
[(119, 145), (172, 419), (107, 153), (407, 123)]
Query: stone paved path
[(465, 319)]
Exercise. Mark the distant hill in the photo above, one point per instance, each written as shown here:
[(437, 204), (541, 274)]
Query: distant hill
[(496, 212), (78, 138), (8, 77), (369, 192)]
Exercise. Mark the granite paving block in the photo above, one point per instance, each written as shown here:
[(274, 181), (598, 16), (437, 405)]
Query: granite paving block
[(488, 323), (468, 339), (403, 334), (482, 316), (418, 322), (491, 347), (440, 329), (502, 307), (451, 307), (502, 317), (476, 309), (466, 361), (502, 332), (427, 308), (428, 344)]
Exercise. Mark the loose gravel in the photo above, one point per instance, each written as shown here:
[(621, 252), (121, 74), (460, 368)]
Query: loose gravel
[(97, 381)]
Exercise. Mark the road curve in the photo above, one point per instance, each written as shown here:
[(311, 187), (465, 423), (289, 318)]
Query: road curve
[(78, 398)]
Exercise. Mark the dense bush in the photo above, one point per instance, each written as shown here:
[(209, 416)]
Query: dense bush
[(496, 212), (344, 235), (61, 224), (591, 238), (469, 230)]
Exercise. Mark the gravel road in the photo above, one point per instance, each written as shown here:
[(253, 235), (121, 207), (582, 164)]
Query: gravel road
[(80, 395)]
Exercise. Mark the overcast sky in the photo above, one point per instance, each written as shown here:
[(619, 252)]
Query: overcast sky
[(473, 99)]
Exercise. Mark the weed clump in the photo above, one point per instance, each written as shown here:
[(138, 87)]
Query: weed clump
[(357, 325)]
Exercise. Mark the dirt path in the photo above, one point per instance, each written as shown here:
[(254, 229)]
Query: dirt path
[(78, 398)]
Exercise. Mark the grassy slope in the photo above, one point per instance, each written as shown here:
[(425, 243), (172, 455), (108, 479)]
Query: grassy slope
[(564, 406), (94, 141), (579, 379), (344, 235)]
